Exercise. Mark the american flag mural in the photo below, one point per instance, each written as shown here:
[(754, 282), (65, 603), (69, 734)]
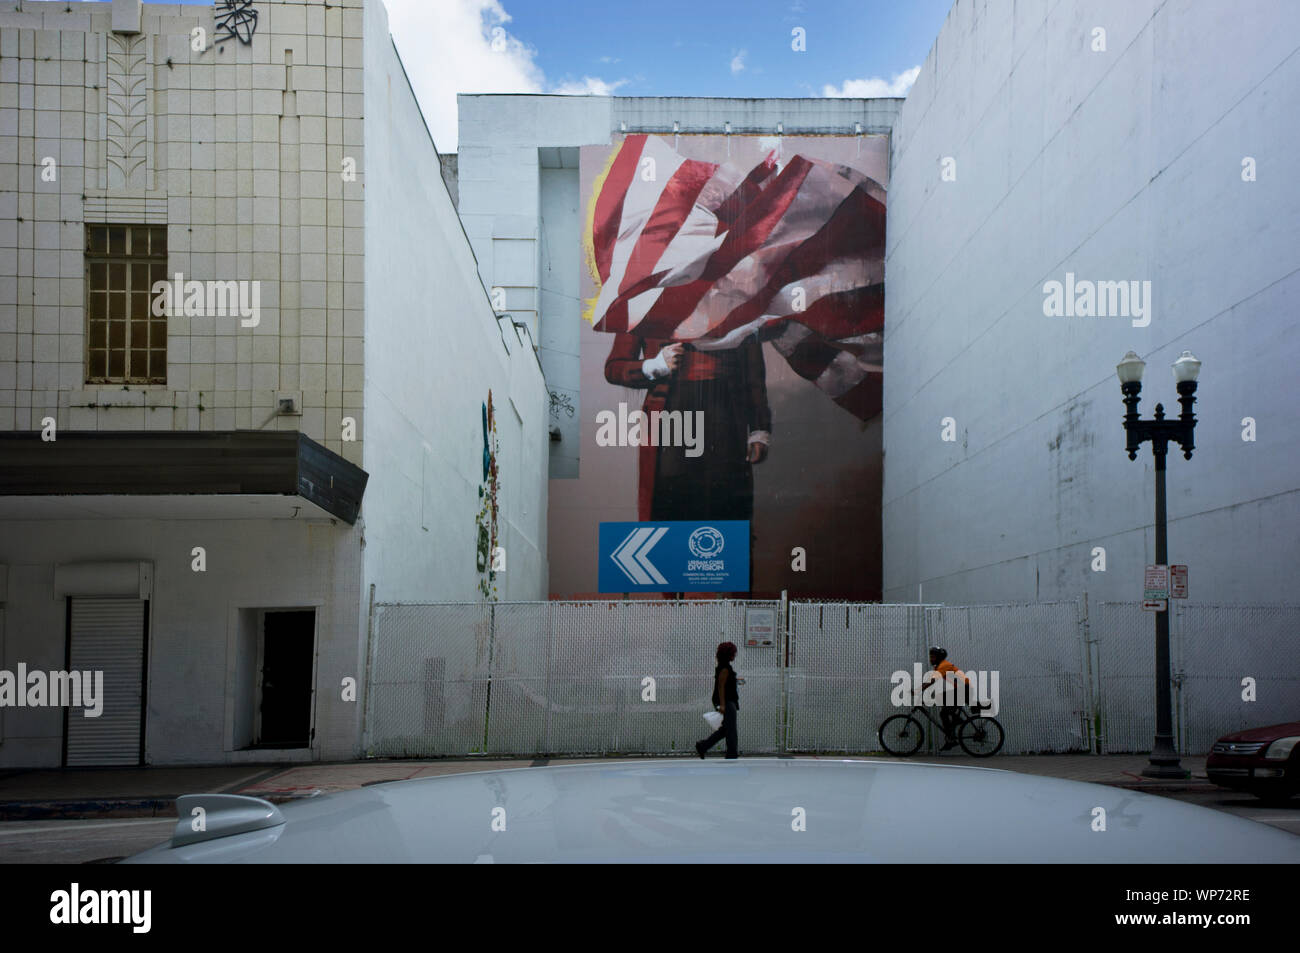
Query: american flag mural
[(711, 253)]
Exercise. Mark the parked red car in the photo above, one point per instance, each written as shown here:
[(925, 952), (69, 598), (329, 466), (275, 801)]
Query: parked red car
[(1263, 761)]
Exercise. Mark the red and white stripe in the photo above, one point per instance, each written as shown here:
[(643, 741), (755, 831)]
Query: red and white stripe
[(707, 253)]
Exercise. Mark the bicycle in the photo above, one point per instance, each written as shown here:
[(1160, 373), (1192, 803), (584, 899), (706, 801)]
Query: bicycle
[(980, 736)]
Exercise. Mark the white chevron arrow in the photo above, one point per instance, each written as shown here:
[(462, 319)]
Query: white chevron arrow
[(631, 556)]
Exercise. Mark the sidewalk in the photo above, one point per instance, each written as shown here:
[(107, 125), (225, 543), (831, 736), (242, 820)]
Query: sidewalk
[(54, 794)]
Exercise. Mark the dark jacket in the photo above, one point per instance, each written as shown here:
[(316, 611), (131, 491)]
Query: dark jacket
[(746, 382), (733, 695)]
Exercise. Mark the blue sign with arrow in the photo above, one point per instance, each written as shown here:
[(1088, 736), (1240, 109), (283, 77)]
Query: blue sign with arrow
[(675, 556)]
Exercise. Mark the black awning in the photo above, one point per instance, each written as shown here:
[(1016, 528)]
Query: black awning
[(282, 462)]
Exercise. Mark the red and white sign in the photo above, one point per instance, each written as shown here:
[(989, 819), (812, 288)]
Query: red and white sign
[(1154, 605), (1178, 582), (760, 626)]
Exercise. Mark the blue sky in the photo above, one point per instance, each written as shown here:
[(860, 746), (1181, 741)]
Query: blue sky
[(687, 47), (670, 48)]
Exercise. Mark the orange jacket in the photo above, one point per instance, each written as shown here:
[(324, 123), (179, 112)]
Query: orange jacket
[(944, 667)]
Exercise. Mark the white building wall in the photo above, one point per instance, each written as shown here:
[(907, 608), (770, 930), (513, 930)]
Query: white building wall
[(433, 350), (255, 191), (1122, 164), (192, 661), (518, 179), (241, 148), (558, 290), (241, 159)]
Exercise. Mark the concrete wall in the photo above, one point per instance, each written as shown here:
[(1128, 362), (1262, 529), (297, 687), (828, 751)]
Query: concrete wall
[(448, 163), (499, 175), (518, 180), (239, 156), (433, 350), (1119, 164), (558, 292), (194, 665)]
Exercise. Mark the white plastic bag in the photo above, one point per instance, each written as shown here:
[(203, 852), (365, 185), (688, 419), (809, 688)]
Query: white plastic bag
[(714, 718)]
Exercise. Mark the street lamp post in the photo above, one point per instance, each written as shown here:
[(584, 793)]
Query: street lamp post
[(1164, 756)]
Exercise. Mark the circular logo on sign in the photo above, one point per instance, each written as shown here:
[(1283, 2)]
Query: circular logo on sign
[(706, 543)]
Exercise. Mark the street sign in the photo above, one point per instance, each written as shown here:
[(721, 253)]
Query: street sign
[(760, 626), (1178, 582), (674, 556), (1155, 584), (1154, 605)]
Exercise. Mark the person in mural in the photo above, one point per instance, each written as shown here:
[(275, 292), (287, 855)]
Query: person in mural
[(696, 263), (729, 388)]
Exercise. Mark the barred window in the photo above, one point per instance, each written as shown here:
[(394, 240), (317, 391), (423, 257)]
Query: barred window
[(125, 342)]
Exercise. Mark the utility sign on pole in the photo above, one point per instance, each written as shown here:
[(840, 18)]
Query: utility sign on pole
[(1178, 582), (1155, 583)]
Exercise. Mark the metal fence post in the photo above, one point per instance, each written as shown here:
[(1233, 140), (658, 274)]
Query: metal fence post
[(487, 706), (618, 693), (1177, 659), (550, 649), (370, 642), (1086, 715), (782, 727)]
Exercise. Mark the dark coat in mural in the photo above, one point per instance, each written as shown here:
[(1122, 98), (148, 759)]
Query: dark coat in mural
[(729, 387)]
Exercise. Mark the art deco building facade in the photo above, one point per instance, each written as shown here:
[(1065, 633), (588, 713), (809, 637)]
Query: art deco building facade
[(244, 354)]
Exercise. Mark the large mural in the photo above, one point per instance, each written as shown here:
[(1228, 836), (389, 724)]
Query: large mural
[(731, 353)]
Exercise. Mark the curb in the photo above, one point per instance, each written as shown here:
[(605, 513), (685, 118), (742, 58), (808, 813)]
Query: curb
[(80, 810), (1166, 787)]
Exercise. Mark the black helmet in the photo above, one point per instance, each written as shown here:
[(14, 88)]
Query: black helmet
[(936, 650)]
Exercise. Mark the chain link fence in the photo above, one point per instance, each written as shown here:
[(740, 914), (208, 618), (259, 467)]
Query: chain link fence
[(838, 683), (1124, 653), (634, 677), (1040, 662), (559, 677), (1231, 667), (1225, 655)]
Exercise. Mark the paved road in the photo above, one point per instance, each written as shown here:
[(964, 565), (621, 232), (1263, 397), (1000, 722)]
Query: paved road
[(79, 842), (1286, 817)]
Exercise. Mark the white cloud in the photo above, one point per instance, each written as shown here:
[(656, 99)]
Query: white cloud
[(738, 62), (446, 48), (464, 46), (588, 86), (874, 87)]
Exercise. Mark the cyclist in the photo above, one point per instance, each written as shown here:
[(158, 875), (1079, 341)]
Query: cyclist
[(950, 673)]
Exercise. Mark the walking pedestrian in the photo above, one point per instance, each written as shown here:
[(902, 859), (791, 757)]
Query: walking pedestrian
[(726, 698)]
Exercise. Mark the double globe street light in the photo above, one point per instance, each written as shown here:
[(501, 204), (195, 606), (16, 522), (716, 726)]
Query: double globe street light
[(1164, 756)]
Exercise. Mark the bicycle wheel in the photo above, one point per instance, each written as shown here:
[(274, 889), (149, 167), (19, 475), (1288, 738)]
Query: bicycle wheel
[(901, 735), (980, 737)]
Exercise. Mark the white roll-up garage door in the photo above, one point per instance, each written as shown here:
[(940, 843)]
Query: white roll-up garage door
[(107, 635)]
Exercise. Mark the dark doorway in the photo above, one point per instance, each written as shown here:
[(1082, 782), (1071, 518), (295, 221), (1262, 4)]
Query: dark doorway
[(288, 641)]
